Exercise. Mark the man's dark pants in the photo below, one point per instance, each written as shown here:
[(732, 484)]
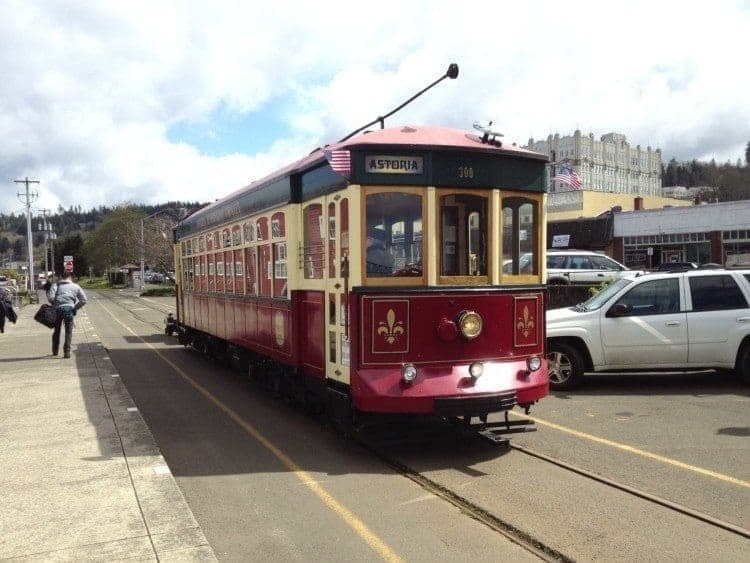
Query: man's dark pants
[(68, 335)]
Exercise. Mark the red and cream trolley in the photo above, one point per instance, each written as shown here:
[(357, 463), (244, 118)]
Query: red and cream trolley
[(399, 271)]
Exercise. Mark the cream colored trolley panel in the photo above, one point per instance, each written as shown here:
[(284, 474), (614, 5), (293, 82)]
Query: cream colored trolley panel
[(341, 250), (178, 279), (543, 238)]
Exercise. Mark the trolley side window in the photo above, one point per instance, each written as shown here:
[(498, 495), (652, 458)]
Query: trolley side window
[(464, 229), (393, 235), (520, 225), (313, 244), (332, 240), (251, 261), (239, 272), (280, 270)]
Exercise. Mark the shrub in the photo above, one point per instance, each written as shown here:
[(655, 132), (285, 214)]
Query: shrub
[(159, 291)]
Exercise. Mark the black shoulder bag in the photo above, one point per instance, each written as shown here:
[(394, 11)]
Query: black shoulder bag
[(47, 314)]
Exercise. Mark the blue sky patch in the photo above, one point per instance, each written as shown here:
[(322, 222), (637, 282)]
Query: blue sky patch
[(226, 132)]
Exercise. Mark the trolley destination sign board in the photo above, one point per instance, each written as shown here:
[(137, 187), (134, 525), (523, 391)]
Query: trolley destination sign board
[(391, 164)]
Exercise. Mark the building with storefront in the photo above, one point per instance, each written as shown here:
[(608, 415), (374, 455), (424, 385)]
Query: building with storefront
[(706, 233)]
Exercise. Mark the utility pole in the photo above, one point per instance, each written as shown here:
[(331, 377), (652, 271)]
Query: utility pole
[(45, 227), (28, 198)]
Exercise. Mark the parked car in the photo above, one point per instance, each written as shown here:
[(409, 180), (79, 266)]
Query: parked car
[(673, 266), (525, 264), (687, 320), (3, 281), (582, 267), (153, 277)]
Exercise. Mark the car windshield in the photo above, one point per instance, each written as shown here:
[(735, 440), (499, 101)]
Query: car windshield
[(603, 296)]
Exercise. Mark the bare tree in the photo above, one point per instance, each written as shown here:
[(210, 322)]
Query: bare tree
[(157, 236)]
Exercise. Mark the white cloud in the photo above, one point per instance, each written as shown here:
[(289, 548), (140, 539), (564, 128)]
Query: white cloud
[(91, 89)]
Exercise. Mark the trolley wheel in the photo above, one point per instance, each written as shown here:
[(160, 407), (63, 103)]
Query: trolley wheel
[(742, 367), (566, 366)]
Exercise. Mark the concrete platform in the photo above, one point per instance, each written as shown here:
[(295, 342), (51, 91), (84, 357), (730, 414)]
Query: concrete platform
[(81, 477)]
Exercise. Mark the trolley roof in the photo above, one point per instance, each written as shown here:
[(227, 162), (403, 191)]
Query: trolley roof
[(313, 175)]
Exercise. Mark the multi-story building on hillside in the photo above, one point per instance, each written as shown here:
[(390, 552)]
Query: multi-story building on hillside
[(609, 164)]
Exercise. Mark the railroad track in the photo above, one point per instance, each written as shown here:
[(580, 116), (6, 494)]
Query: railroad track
[(378, 448), (150, 303)]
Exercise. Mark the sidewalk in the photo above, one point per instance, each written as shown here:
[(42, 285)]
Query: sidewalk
[(81, 477)]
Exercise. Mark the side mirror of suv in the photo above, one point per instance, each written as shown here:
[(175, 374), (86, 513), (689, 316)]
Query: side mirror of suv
[(618, 310)]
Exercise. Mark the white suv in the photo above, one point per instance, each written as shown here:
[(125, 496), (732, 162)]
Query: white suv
[(582, 266), (695, 319)]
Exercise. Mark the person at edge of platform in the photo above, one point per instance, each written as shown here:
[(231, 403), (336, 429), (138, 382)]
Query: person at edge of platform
[(67, 298), (6, 308)]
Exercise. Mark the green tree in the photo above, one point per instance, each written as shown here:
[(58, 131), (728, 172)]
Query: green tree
[(116, 241), (18, 249), (71, 246)]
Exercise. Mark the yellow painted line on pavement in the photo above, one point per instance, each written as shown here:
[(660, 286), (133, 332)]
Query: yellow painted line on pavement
[(369, 537), (643, 453), (157, 302)]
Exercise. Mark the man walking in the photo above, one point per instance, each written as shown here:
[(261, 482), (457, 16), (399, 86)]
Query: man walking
[(67, 297)]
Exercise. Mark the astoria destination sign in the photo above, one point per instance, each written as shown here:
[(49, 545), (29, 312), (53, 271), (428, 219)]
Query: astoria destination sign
[(385, 164)]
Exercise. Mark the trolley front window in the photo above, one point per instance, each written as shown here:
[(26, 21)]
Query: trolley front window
[(464, 228), (520, 225), (393, 236)]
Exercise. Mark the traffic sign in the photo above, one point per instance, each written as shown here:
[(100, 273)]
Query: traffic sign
[(68, 266)]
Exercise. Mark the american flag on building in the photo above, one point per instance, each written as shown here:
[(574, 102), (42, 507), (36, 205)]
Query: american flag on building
[(568, 176), (339, 160)]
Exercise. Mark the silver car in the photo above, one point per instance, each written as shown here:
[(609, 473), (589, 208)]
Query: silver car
[(582, 267)]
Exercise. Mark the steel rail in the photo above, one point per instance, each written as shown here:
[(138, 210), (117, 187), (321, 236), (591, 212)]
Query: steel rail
[(740, 531)]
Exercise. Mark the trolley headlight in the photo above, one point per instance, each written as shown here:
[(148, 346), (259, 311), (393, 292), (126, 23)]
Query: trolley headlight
[(476, 369), (470, 324), (408, 373), (534, 363)]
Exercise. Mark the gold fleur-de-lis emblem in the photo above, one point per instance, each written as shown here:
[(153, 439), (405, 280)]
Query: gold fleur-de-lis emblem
[(525, 323), (391, 329)]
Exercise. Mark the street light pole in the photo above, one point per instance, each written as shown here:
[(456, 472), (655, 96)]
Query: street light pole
[(46, 228), (143, 249)]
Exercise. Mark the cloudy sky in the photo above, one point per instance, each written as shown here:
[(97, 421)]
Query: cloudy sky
[(107, 102)]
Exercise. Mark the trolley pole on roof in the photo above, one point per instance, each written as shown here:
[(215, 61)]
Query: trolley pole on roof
[(28, 198), (451, 73)]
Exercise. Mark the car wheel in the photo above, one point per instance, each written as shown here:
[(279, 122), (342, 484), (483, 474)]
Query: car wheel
[(565, 366), (743, 363)]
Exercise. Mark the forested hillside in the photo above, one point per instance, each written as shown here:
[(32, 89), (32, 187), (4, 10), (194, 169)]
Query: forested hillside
[(725, 182), (72, 227)]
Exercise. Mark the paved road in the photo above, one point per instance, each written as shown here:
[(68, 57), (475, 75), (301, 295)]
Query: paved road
[(266, 482), (246, 466)]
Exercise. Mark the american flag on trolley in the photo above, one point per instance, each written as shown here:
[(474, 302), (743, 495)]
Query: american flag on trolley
[(568, 176), (339, 160)]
